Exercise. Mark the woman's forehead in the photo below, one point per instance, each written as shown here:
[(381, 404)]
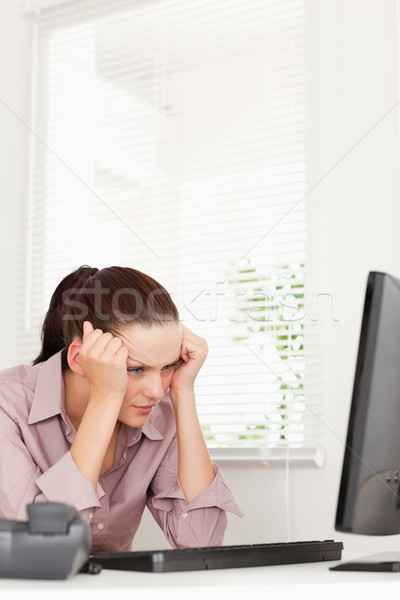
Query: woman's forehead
[(154, 344)]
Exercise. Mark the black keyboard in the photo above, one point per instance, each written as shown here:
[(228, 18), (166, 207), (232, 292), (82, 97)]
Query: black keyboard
[(221, 557)]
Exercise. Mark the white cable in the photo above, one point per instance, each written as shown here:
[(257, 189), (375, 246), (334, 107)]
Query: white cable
[(287, 498)]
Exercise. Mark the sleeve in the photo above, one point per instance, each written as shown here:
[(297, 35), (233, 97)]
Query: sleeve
[(201, 522), (22, 482)]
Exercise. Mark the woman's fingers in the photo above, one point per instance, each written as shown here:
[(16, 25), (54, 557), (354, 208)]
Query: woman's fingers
[(96, 341), (87, 328), (90, 335), (194, 351), (112, 348), (122, 353)]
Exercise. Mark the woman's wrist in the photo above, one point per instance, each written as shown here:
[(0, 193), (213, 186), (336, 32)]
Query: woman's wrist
[(182, 396), (100, 397)]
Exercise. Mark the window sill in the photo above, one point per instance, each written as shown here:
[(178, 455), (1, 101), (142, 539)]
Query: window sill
[(270, 457)]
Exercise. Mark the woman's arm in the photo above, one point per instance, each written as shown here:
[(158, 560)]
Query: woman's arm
[(195, 469), (102, 359), (94, 434)]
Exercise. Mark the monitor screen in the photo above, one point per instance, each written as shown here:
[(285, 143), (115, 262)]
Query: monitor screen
[(369, 496)]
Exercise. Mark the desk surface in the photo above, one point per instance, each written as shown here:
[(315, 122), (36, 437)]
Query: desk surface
[(307, 581)]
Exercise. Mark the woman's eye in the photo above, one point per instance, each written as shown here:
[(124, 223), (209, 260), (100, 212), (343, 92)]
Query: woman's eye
[(137, 370), (169, 367)]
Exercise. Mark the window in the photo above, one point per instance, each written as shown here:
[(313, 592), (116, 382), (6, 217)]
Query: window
[(171, 137)]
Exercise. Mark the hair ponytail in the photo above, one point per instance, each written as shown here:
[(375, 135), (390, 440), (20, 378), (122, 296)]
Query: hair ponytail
[(52, 330)]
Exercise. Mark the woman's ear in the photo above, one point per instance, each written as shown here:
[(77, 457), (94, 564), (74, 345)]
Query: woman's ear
[(73, 357)]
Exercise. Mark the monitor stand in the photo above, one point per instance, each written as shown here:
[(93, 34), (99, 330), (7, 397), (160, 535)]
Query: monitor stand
[(384, 561)]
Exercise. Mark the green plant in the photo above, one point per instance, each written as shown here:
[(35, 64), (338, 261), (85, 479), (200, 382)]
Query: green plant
[(270, 309)]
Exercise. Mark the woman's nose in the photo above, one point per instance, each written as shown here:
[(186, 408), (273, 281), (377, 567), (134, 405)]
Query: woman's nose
[(154, 388)]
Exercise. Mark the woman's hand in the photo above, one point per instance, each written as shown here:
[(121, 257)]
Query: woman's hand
[(102, 358), (194, 350)]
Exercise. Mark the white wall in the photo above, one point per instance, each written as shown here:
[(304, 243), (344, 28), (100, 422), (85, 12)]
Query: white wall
[(356, 204)]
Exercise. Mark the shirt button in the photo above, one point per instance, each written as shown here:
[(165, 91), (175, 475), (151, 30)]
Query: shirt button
[(91, 516), (184, 515), (100, 525)]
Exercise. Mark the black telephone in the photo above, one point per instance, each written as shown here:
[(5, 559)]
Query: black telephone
[(53, 544)]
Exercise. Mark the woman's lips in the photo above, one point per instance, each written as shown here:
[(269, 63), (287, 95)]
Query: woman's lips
[(144, 410)]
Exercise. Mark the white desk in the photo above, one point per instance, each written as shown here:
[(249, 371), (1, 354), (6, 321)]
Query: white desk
[(305, 581)]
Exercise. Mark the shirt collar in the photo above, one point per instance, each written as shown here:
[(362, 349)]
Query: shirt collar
[(151, 432), (133, 435), (49, 391)]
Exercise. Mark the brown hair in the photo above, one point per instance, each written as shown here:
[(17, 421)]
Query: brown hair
[(109, 298)]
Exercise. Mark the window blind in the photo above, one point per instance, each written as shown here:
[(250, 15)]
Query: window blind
[(171, 136)]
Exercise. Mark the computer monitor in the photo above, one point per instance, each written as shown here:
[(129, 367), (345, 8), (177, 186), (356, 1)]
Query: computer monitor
[(369, 496)]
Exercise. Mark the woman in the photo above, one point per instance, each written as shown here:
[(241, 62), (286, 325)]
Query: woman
[(106, 421)]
